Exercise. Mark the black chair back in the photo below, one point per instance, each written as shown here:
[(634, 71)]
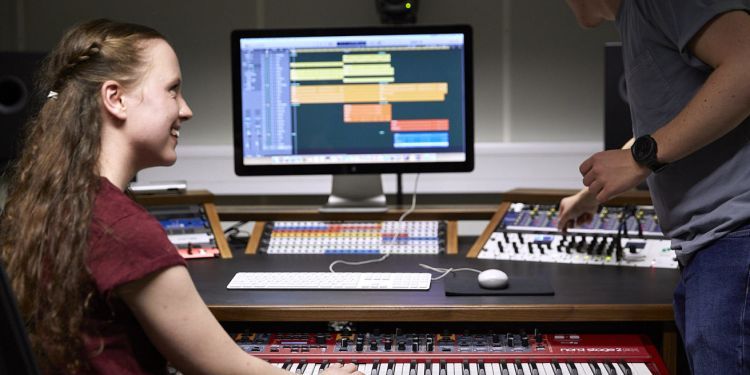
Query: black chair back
[(16, 356)]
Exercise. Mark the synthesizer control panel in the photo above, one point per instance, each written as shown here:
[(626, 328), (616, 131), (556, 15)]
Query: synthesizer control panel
[(191, 221), (353, 237), (617, 236), (486, 353), (188, 228)]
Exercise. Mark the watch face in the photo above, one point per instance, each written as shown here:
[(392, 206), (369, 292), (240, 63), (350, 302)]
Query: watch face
[(644, 148)]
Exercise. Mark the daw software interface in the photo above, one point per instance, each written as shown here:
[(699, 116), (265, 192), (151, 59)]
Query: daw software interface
[(348, 101)]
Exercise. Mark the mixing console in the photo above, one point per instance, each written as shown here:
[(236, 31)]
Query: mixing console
[(353, 237), (188, 228), (618, 236), (446, 354)]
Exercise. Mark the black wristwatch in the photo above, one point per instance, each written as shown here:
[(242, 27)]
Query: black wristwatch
[(644, 152)]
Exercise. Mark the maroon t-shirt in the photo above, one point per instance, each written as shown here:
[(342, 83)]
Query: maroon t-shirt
[(126, 244)]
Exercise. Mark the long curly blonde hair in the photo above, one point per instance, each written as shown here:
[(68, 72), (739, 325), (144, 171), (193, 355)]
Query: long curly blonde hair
[(44, 227)]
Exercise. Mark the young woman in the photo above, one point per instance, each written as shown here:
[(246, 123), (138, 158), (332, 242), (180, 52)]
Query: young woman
[(100, 286)]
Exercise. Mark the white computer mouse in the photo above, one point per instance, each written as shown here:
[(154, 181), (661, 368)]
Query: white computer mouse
[(493, 279)]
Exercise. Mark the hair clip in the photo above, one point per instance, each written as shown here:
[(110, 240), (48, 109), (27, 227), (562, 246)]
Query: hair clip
[(52, 95)]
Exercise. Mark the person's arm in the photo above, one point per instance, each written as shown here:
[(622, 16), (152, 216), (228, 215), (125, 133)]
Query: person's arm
[(182, 328), (579, 208), (719, 106), (576, 209)]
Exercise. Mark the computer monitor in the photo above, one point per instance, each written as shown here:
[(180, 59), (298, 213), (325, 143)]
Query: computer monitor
[(353, 103)]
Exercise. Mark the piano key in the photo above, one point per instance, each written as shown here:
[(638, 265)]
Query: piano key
[(421, 369), (626, 370), (583, 369), (391, 367), (383, 368), (608, 366), (554, 368), (457, 370), (487, 367), (545, 368), (367, 369), (287, 364), (473, 369), (465, 368), (595, 368), (565, 369), (570, 368), (616, 367), (436, 369), (526, 368), (551, 371), (534, 369), (640, 368), (398, 369), (413, 368), (502, 369), (299, 367), (495, 366)]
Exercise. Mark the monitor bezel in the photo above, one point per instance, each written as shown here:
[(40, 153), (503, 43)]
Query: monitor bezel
[(242, 169)]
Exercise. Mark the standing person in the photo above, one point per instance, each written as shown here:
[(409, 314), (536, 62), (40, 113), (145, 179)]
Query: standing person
[(100, 286), (687, 68)]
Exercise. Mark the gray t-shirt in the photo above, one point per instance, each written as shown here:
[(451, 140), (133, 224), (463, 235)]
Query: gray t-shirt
[(705, 195)]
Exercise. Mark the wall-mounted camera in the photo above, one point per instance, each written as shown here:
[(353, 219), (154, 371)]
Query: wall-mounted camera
[(397, 11)]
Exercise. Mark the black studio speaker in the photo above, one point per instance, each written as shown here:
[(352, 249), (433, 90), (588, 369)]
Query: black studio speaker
[(618, 127), (17, 97), (397, 11)]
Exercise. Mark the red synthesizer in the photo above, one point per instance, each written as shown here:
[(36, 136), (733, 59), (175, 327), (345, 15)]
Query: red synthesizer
[(458, 354)]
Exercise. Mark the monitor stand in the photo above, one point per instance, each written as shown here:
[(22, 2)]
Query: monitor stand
[(356, 193)]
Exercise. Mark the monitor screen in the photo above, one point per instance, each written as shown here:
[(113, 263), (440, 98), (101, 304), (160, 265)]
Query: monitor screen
[(352, 101)]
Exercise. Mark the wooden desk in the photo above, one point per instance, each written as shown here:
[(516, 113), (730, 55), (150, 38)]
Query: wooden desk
[(583, 294), (429, 206)]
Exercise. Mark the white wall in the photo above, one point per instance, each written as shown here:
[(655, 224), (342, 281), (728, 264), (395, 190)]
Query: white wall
[(538, 75), (500, 166)]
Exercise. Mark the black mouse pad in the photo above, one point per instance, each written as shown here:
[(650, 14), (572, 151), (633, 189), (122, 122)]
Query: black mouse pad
[(465, 284)]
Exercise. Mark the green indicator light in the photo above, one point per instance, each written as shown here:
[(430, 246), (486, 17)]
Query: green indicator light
[(408, 5)]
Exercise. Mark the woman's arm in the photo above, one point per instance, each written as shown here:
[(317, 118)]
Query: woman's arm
[(174, 317), (182, 328)]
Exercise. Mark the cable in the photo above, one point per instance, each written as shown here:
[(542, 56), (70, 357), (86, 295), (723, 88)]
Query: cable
[(233, 232), (446, 271), (395, 235), (234, 228)]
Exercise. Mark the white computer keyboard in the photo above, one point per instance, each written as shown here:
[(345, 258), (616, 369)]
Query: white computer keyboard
[(329, 280)]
